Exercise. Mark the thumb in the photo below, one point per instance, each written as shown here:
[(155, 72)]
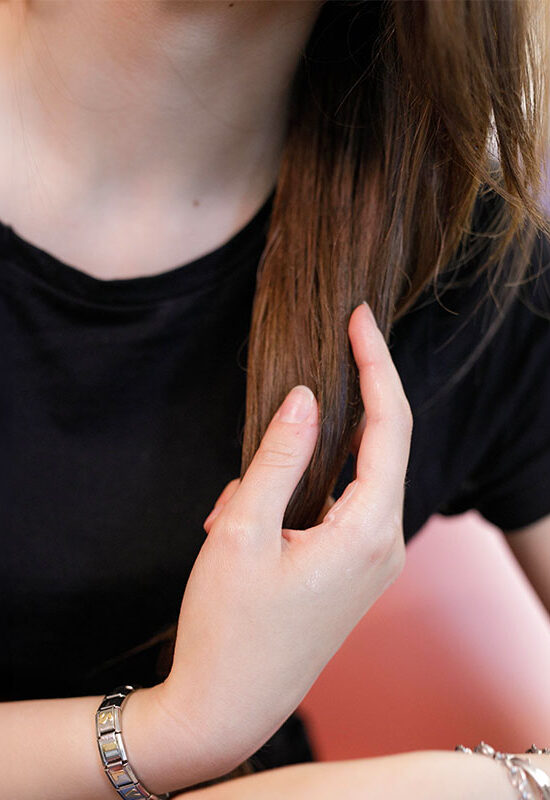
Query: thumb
[(262, 496)]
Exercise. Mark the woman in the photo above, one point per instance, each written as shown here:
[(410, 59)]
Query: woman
[(136, 137)]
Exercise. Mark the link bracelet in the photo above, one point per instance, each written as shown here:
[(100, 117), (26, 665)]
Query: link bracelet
[(518, 769), (108, 721)]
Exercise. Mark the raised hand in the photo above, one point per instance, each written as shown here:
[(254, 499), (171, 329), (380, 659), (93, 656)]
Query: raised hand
[(265, 608)]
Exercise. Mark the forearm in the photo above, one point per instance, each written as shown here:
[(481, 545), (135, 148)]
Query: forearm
[(421, 775), (48, 749)]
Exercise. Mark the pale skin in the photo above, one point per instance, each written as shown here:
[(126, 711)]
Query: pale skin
[(191, 155)]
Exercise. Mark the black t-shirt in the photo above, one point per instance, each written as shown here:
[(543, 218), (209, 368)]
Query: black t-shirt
[(121, 413)]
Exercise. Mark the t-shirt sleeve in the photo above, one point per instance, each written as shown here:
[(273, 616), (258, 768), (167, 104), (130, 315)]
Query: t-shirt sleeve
[(510, 483)]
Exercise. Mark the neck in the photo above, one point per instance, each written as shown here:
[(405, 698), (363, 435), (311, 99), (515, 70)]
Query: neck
[(175, 102)]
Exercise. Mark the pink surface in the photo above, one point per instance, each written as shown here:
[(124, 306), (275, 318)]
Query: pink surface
[(457, 650)]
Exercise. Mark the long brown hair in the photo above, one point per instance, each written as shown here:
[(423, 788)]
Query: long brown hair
[(388, 146), (402, 114)]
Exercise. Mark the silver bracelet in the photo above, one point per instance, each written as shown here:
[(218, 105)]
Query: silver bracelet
[(108, 723), (518, 768), (539, 776)]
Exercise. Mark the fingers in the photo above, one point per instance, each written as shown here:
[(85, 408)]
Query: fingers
[(383, 449), (230, 490), (261, 498), (382, 443)]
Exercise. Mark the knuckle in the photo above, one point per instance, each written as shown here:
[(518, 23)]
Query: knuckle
[(380, 550), (277, 454), (400, 416), (388, 546), (235, 528)]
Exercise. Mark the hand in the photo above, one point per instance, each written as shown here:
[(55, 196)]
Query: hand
[(231, 487), (265, 608)]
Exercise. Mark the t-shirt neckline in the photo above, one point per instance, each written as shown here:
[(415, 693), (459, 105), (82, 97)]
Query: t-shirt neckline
[(199, 273)]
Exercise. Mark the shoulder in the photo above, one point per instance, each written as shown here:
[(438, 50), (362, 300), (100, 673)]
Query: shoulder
[(459, 324), (511, 294), (508, 396)]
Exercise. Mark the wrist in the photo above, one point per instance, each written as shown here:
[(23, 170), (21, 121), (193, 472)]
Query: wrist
[(157, 757), (163, 750)]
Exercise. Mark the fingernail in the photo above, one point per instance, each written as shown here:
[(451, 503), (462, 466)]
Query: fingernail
[(297, 405)]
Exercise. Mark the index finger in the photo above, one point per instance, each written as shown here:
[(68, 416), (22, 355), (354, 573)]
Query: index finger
[(384, 448)]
